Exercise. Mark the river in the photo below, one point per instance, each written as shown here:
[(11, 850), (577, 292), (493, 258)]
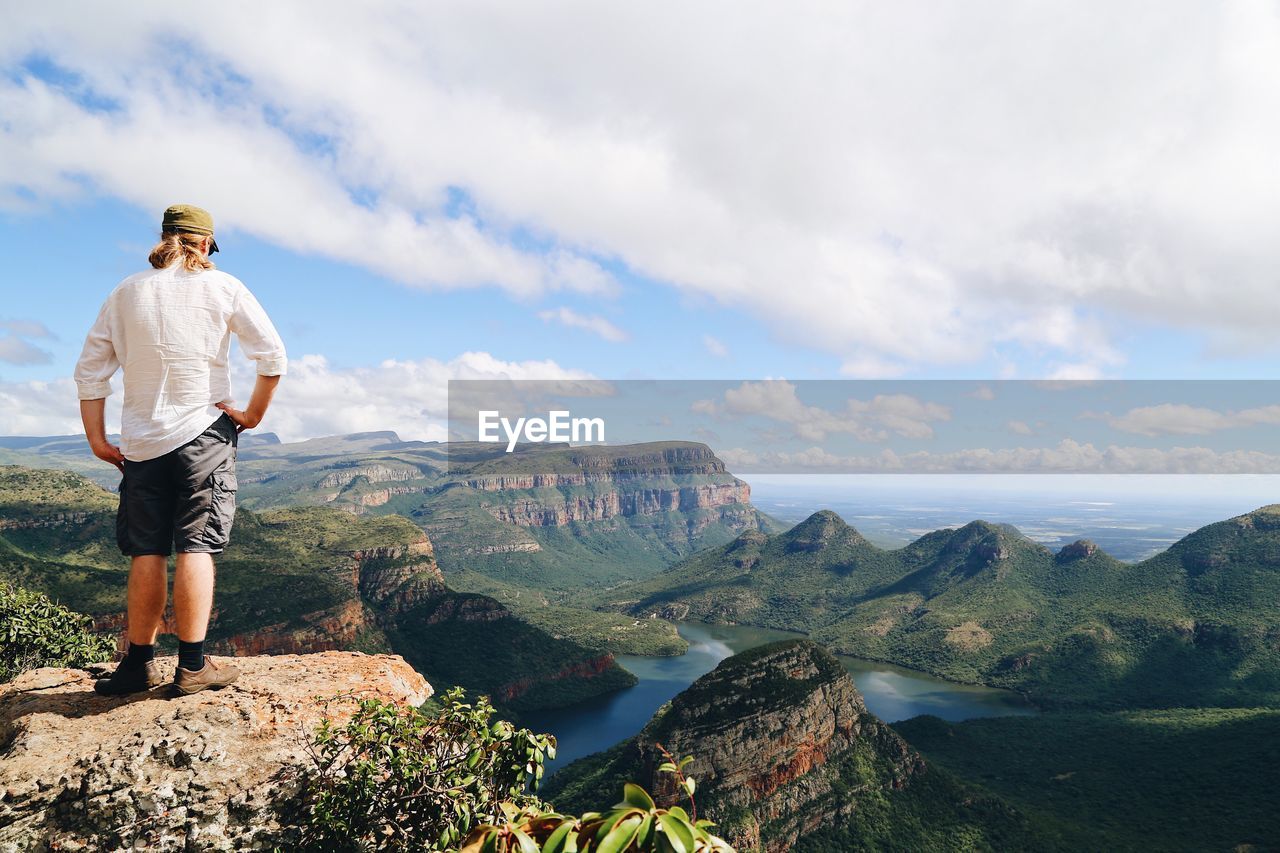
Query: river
[(892, 693)]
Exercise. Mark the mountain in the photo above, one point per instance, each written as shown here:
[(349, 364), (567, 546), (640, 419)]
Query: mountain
[(1198, 624), (786, 757), (303, 579), (531, 528)]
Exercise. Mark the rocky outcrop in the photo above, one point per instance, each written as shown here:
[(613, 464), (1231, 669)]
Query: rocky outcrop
[(325, 630), (83, 772), (1077, 550), (343, 476), (603, 483), (782, 741), (644, 501), (54, 519)]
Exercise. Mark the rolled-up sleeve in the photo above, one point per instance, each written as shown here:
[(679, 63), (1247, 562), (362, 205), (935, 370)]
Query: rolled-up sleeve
[(98, 361), (258, 337)]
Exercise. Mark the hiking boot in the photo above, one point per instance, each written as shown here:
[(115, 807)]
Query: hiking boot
[(129, 679), (186, 682)]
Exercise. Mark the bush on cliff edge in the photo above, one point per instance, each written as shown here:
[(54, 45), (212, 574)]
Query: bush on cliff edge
[(396, 778), (35, 632)]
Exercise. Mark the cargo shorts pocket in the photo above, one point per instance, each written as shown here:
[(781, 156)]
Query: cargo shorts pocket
[(222, 509)]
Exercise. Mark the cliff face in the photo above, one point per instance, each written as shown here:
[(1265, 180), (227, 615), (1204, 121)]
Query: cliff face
[(80, 771), (644, 501), (602, 485), (783, 746)]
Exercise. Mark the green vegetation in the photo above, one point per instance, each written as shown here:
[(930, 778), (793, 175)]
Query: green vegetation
[(594, 629), (394, 778), (635, 824), (471, 640), (27, 495), (1179, 779), (1192, 626), (36, 632), (397, 778)]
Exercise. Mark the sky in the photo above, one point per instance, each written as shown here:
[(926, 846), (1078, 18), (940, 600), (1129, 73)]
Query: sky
[(740, 191)]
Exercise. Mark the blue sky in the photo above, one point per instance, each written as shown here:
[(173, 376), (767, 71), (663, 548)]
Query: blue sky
[(475, 190)]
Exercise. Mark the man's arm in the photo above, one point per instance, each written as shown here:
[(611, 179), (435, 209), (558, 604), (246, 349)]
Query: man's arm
[(94, 369), (249, 417), (92, 412)]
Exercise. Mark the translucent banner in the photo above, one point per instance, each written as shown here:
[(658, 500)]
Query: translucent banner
[(884, 426)]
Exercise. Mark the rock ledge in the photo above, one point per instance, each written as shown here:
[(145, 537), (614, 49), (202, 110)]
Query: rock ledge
[(83, 772)]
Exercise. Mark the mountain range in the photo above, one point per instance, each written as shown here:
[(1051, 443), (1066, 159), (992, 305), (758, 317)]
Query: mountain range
[(303, 579), (1197, 624)]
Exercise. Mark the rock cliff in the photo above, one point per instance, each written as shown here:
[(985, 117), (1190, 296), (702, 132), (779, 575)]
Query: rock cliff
[(80, 771)]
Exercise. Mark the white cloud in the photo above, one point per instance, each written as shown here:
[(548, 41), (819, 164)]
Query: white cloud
[(715, 346), (915, 185), (1067, 457), (595, 324), (867, 420), (14, 346), (314, 399), (1181, 419), (1020, 428)]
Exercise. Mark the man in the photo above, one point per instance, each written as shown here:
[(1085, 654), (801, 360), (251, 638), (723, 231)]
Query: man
[(170, 329)]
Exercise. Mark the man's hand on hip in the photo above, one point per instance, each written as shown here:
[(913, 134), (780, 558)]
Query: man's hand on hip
[(252, 415), (244, 419), (108, 452)]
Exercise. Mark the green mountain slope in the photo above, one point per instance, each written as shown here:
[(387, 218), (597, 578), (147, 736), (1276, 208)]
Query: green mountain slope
[(1177, 780), (786, 757), (1196, 625), (303, 579)]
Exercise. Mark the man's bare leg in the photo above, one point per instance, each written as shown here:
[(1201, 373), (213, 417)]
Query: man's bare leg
[(148, 589), (193, 595), (192, 602), (148, 584)]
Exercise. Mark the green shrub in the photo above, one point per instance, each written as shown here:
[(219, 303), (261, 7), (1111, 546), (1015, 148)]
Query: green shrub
[(35, 632), (396, 778)]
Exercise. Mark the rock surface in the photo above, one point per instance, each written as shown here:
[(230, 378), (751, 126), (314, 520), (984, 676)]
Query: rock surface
[(80, 771)]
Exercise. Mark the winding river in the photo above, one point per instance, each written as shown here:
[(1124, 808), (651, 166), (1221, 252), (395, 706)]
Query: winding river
[(892, 693)]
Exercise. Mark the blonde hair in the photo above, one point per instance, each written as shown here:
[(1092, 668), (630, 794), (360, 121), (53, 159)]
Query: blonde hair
[(178, 244)]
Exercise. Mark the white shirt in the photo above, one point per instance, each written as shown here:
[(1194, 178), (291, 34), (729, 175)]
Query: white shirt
[(171, 331)]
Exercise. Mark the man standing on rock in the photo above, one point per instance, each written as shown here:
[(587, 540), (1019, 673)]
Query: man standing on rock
[(170, 329)]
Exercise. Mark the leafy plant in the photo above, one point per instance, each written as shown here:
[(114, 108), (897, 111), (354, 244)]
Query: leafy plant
[(35, 631), (635, 824), (395, 778)]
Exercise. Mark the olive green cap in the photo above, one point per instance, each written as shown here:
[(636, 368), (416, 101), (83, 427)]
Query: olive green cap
[(189, 219)]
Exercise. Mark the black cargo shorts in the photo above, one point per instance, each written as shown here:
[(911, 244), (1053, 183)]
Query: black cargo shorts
[(184, 500)]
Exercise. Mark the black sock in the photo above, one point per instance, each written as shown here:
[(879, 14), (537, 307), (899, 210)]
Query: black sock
[(138, 655), (191, 655)]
